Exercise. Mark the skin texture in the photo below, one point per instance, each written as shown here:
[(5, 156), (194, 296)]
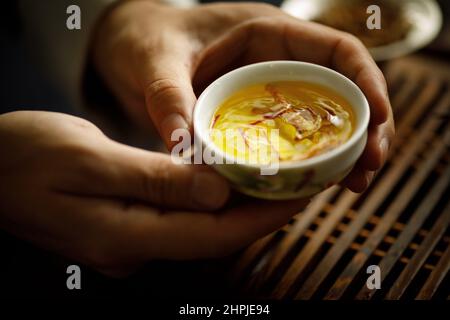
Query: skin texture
[(67, 187), (156, 58)]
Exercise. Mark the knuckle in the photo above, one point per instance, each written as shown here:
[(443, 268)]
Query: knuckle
[(157, 186), (83, 123), (83, 160), (267, 25), (351, 41), (263, 21), (71, 165), (158, 88)]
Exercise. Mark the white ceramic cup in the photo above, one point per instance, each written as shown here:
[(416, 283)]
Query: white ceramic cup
[(294, 179)]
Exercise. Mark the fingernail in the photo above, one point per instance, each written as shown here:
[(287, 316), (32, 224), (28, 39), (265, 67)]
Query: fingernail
[(369, 177), (209, 190), (172, 122)]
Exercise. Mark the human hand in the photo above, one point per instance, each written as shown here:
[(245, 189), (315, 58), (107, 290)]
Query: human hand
[(66, 187), (154, 57)]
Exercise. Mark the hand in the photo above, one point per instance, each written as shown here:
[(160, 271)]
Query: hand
[(67, 187), (154, 57)]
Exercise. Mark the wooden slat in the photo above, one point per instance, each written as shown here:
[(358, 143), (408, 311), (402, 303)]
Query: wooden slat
[(356, 246), (401, 98), (419, 258), (303, 221), (249, 256), (299, 228), (301, 261), (378, 194), (395, 78), (393, 212), (414, 224), (438, 274), (433, 67), (367, 210), (416, 109)]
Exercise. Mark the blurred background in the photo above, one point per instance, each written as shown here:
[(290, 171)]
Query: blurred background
[(25, 86)]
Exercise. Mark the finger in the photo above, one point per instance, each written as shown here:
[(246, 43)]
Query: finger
[(169, 96), (156, 178), (373, 158), (359, 179), (320, 44), (86, 229), (113, 237), (221, 56), (375, 152), (353, 60), (190, 235), (122, 171), (258, 39)]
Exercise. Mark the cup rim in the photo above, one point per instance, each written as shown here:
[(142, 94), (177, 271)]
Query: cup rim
[(358, 133)]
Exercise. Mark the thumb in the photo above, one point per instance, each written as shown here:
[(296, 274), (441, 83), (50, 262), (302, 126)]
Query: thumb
[(169, 95), (153, 177)]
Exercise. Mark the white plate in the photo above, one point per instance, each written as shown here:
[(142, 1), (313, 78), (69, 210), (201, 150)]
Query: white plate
[(425, 17)]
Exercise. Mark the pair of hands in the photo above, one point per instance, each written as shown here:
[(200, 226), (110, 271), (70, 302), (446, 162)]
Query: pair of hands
[(69, 188)]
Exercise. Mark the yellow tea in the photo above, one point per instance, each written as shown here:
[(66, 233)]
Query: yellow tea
[(288, 120)]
